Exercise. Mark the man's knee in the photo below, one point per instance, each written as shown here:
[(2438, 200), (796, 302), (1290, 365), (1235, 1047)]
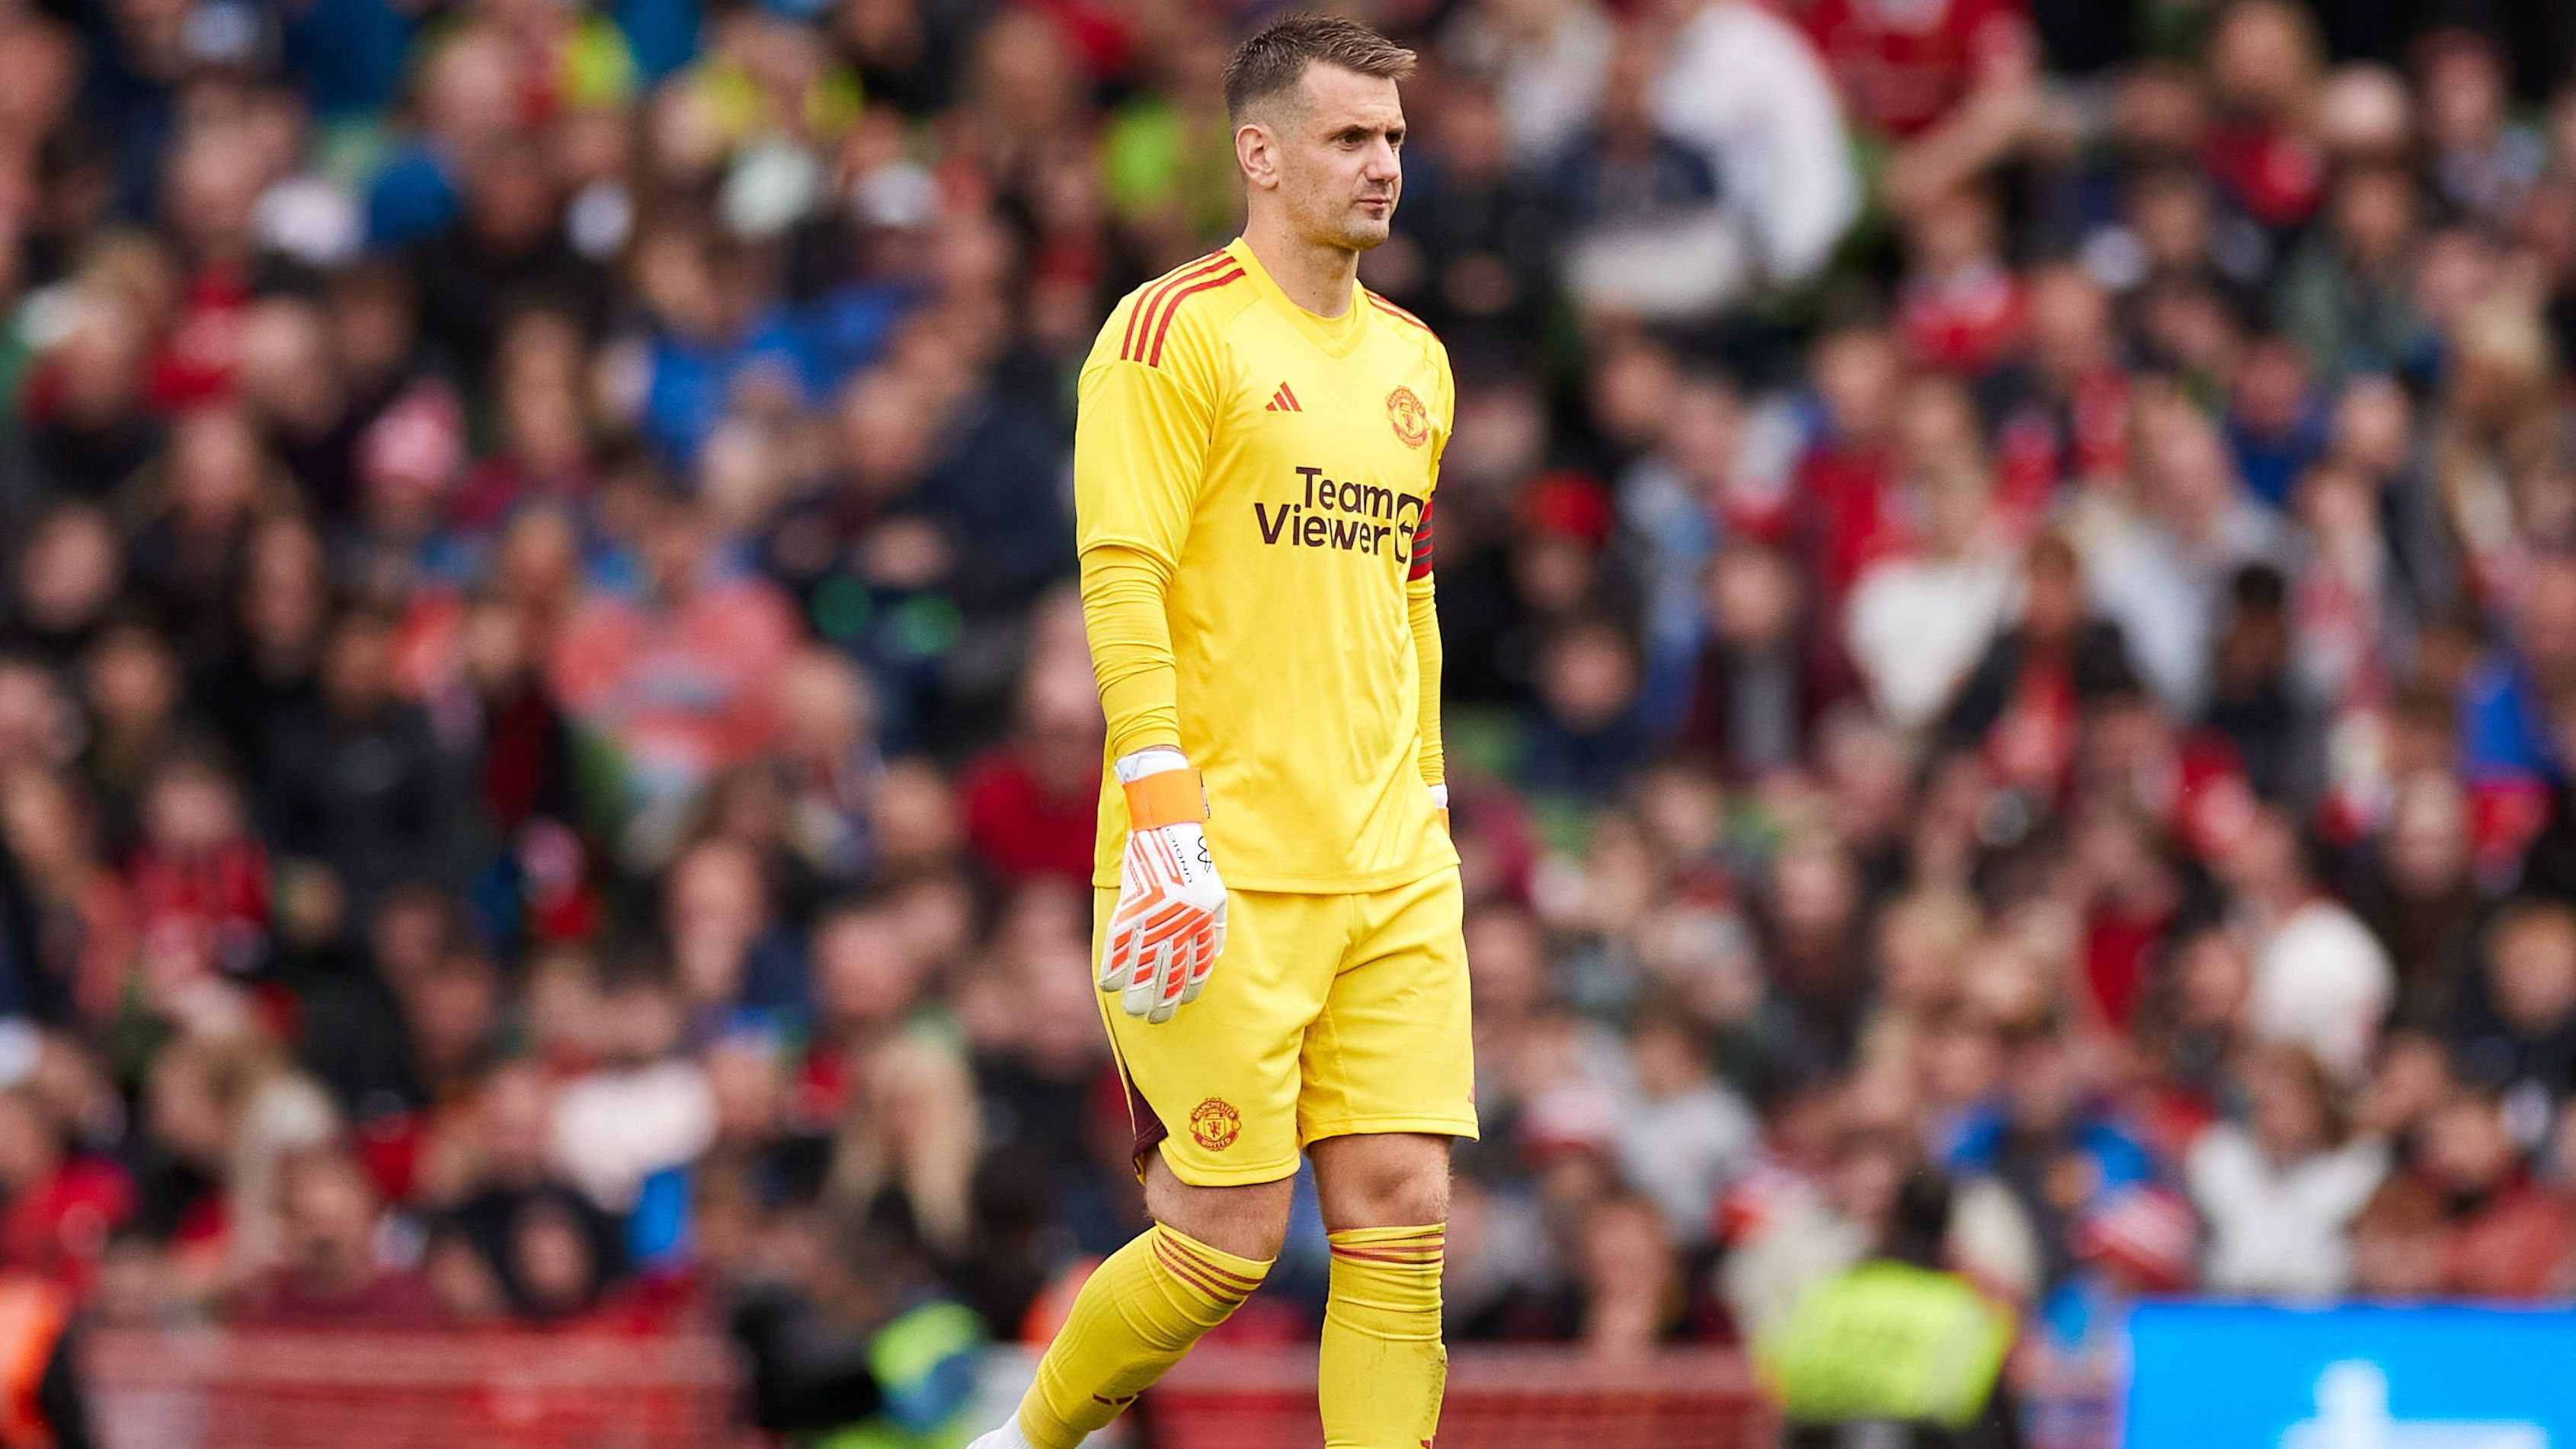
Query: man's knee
[(1249, 1221), (1383, 1180)]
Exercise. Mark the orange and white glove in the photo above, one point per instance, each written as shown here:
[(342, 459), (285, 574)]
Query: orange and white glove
[(1440, 802), (1169, 924)]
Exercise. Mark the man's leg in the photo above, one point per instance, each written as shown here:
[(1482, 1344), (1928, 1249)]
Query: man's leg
[(1214, 1096), (1388, 1079), (1143, 1307), (1385, 1198)]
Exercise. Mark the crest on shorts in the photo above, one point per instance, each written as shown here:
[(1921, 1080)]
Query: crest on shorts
[(1214, 1124), (1410, 419)]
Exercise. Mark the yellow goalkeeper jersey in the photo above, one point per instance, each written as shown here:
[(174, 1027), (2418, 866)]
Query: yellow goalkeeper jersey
[(1253, 490)]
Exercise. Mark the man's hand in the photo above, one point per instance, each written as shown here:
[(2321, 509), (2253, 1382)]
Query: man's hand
[(1440, 802), (1169, 924)]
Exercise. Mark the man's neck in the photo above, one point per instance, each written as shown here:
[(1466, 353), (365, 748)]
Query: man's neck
[(1317, 278)]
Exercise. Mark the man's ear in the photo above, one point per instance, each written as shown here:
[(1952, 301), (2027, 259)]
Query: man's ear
[(1256, 150)]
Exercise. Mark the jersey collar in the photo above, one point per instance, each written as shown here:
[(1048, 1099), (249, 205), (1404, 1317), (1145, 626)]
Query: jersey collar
[(1335, 336)]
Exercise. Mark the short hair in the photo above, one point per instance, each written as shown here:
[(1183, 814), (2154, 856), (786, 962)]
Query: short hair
[(1276, 59)]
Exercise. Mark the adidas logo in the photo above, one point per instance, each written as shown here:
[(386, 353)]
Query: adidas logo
[(1283, 401)]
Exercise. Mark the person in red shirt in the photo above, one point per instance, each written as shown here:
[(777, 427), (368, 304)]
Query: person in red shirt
[(2267, 65), (1030, 803), (200, 878), (1846, 483), (1960, 309), (2509, 1236), (61, 1206), (329, 1275), (2132, 896), (1903, 65), (681, 683)]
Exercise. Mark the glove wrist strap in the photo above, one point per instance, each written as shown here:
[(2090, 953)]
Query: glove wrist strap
[(1166, 797)]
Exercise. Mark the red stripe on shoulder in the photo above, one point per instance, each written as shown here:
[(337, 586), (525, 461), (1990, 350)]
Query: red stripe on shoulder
[(1397, 312), (1172, 309), (1152, 291), (1140, 321)]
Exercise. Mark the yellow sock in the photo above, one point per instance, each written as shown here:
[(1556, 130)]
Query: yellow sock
[(1383, 1364), (1135, 1316)]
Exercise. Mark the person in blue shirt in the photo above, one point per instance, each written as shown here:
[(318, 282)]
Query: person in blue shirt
[(2048, 1140)]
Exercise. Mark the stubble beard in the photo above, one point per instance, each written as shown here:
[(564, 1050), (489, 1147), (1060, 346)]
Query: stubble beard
[(1356, 231)]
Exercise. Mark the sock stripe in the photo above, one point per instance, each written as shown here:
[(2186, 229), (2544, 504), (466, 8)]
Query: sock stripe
[(1219, 1271), (1187, 1272), (1374, 1252), (1410, 1260), (1173, 1264), (1421, 1247)]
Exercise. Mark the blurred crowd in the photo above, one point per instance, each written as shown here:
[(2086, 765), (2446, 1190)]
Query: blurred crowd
[(2009, 583)]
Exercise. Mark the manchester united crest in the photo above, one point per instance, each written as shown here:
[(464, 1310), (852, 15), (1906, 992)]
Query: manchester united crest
[(1215, 1123), (1411, 420)]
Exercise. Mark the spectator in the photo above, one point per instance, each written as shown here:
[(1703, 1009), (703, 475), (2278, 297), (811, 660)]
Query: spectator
[(2024, 673), (1479, 240), (1029, 805), (643, 1108), (2483, 164), (1757, 690), (2159, 578), (670, 683), (1749, 91), (1551, 59), (2517, 1033), (1682, 1133), (1587, 735), (2255, 701), (2506, 1235), (2021, 703), (1648, 239), (2043, 1133), (728, 946), (329, 1275), (358, 781), (2281, 1190), (2320, 978), (200, 879), (517, 1210), (2418, 896), (1917, 624)]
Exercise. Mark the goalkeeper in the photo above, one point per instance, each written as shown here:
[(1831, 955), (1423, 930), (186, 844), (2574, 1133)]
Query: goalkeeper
[(1278, 906)]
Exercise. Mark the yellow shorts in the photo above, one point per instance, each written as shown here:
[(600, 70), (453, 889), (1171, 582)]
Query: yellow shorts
[(1327, 1015)]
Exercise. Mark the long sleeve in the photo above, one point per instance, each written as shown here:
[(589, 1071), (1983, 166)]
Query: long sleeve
[(1420, 610), (1131, 647), (1138, 453)]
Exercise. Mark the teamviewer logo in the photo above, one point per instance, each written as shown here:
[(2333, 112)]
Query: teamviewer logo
[(1341, 514)]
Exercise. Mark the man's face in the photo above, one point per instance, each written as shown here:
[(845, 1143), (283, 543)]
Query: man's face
[(1335, 144)]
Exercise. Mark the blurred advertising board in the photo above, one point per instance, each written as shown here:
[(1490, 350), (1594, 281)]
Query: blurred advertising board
[(2350, 1377)]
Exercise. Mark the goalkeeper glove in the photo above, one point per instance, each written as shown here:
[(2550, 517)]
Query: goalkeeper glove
[(1440, 802), (1169, 923)]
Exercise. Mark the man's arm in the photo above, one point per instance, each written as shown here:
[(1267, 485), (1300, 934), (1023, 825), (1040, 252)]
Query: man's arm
[(1420, 610), (1140, 443), (1419, 604)]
